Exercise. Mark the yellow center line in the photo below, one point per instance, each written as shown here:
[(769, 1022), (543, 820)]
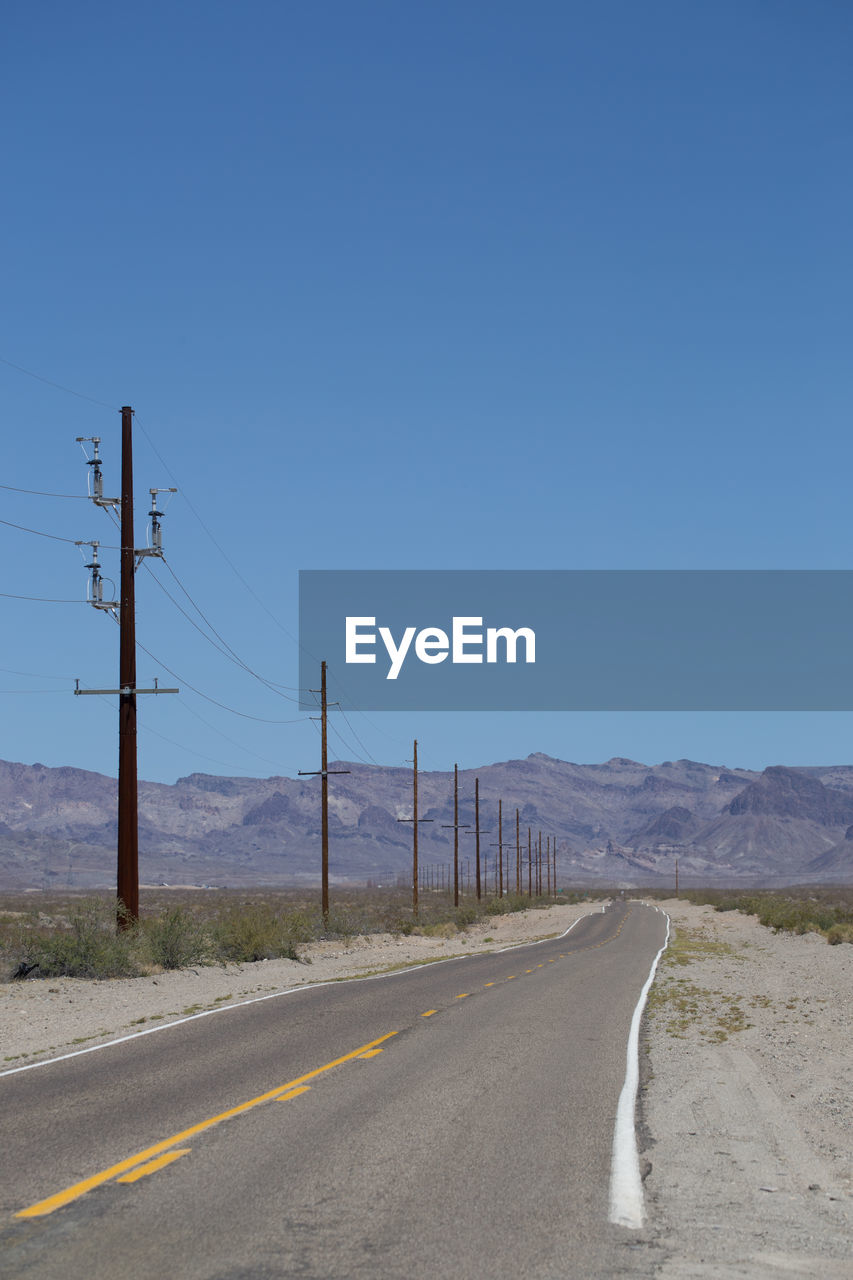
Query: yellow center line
[(52, 1203), (371, 1053), (291, 1093), (488, 984), (464, 995), (153, 1165), (429, 1013)]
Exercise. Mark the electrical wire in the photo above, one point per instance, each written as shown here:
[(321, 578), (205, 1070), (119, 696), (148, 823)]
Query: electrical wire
[(200, 755), (244, 714), (39, 493), (57, 385), (357, 738), (36, 675), (233, 741), (264, 679), (7, 595), (226, 650), (223, 553)]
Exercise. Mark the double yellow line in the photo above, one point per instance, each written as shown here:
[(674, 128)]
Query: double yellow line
[(152, 1158)]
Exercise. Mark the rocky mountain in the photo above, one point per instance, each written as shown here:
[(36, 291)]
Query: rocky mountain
[(619, 821)]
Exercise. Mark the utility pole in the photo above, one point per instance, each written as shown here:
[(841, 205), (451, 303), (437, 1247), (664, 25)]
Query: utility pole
[(127, 850), (499, 862), (479, 831), (128, 814), (676, 877), (548, 863), (477, 824), (414, 821), (456, 829), (555, 866), (529, 865), (517, 856), (539, 868), (324, 791), (500, 849)]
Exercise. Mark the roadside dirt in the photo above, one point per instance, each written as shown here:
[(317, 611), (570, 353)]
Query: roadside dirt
[(747, 1102)]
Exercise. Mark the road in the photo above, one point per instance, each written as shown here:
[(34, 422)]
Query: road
[(453, 1120)]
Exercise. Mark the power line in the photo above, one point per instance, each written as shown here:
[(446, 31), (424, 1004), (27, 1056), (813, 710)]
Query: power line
[(272, 685), (357, 738), (57, 385), (39, 533), (223, 553), (225, 736), (200, 755), (245, 715), (7, 595), (39, 493), (36, 675)]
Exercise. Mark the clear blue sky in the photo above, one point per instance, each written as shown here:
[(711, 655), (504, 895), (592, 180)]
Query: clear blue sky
[(475, 285)]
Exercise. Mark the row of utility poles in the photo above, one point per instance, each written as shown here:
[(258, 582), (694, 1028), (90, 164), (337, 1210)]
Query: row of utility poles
[(124, 609), (536, 859), (539, 881)]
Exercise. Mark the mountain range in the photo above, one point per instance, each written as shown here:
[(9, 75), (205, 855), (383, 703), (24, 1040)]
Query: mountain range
[(619, 822)]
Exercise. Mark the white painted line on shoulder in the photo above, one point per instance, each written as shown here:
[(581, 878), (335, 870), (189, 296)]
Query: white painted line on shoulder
[(627, 1208)]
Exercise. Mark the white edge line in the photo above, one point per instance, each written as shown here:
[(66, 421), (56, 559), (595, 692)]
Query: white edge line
[(626, 1185), (538, 943), (273, 995)]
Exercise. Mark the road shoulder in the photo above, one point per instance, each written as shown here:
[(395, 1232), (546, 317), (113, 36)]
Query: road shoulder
[(746, 1103)]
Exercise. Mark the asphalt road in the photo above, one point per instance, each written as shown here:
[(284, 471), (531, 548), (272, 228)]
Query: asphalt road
[(454, 1120)]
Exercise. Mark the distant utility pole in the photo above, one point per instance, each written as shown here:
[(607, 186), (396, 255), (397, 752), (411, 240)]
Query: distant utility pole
[(127, 872), (500, 849), (323, 771), (479, 831), (539, 868), (555, 865), (676, 877), (414, 821), (517, 856), (499, 878), (529, 865), (456, 829), (548, 863)]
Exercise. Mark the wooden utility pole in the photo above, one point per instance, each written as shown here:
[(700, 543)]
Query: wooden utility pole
[(415, 820), (127, 845), (477, 830), (324, 792), (127, 878), (548, 863), (529, 865), (415, 830), (676, 877), (500, 849), (555, 866), (481, 874), (456, 829), (539, 868), (517, 856), (456, 835)]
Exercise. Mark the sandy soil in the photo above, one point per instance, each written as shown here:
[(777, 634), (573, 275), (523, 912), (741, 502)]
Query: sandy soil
[(746, 1107)]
